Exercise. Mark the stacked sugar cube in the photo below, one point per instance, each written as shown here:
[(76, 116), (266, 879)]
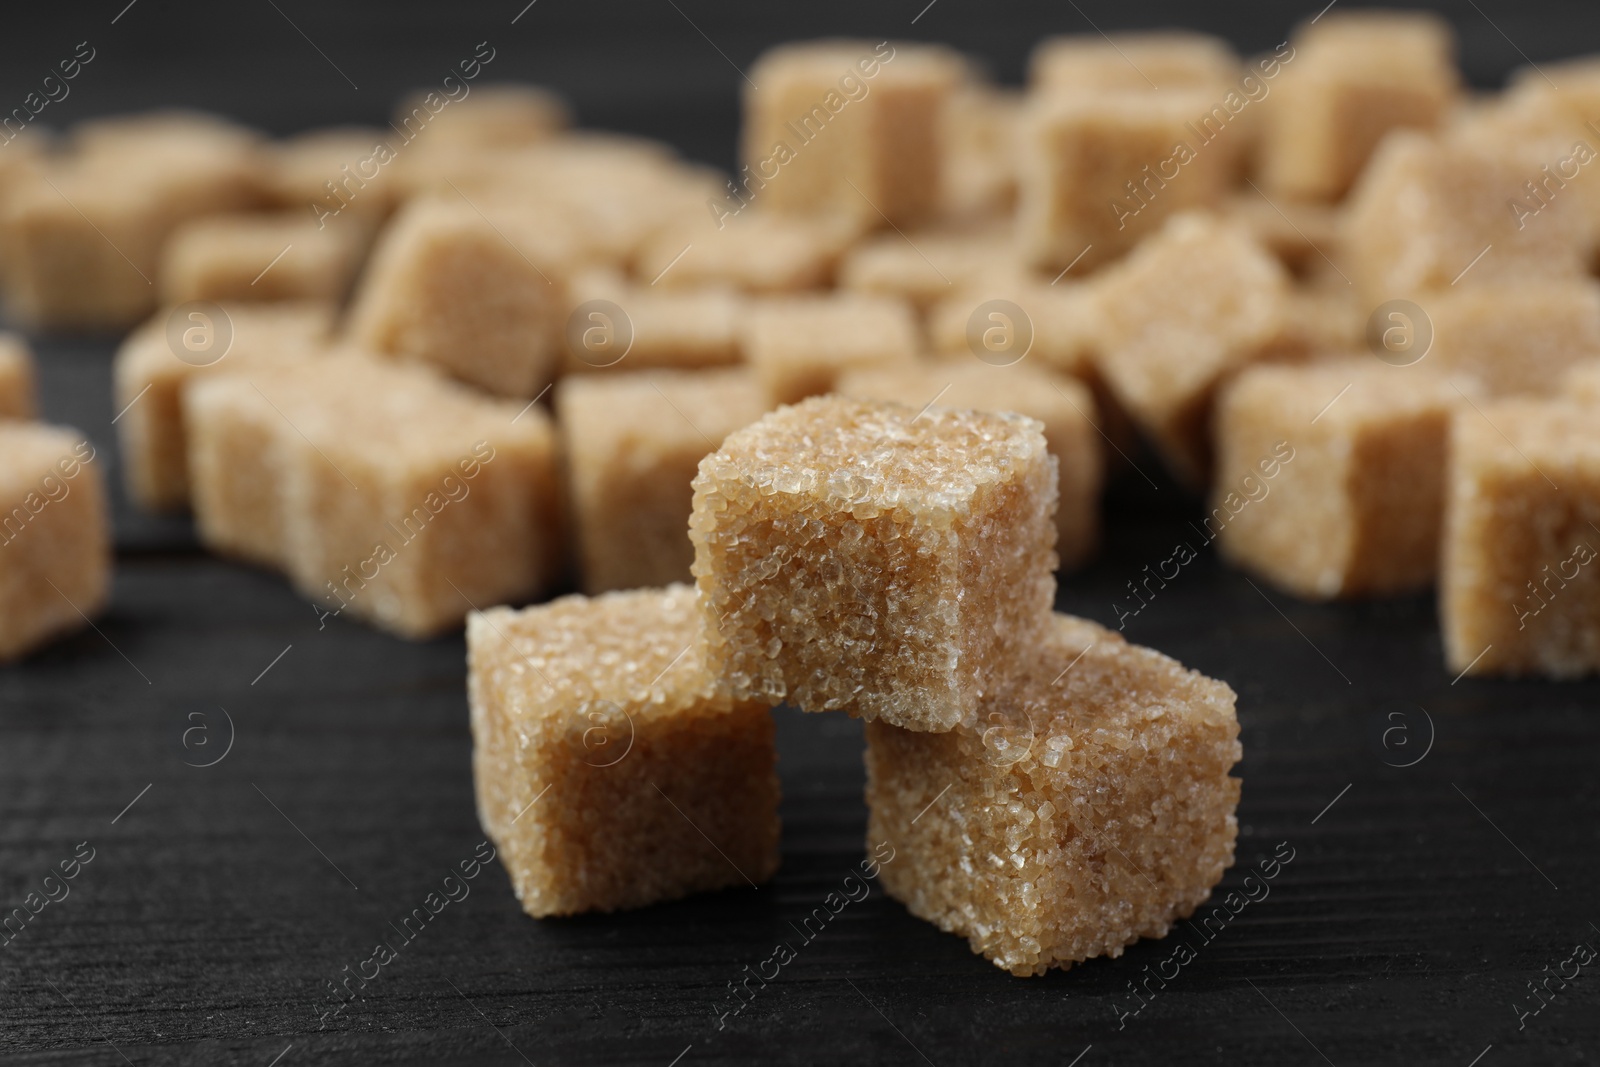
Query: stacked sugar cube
[(613, 768), (1051, 792), (866, 557)]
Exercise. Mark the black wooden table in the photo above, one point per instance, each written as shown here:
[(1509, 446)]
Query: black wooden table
[(1444, 834)]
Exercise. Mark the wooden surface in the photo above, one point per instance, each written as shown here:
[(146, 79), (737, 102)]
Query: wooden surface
[(222, 903)]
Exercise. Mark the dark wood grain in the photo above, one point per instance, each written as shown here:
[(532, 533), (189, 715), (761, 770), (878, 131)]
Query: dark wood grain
[(220, 905)]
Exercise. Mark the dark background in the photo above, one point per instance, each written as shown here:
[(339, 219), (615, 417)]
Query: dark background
[(646, 67), (220, 905)]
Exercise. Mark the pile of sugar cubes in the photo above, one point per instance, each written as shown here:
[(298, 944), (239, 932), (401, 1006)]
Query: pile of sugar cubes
[(1049, 791), (866, 394)]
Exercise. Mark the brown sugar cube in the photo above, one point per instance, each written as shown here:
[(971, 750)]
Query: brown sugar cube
[(84, 238), (21, 163), (23, 155), (1159, 60), (55, 541), (259, 258), (632, 444), (1058, 327), (616, 194), (1546, 134), (18, 389), (1061, 328), (1582, 382), (466, 138), (1519, 589), (1528, 109), (567, 168), (1327, 319), (980, 152), (849, 128), (1550, 126), (234, 425), (1425, 38), (483, 298), (756, 252), (578, 156), (678, 329), (157, 361), (448, 501), (1330, 478), (488, 115), (341, 177), (611, 767), (1575, 82), (928, 266), (1092, 805), (1429, 213), (1352, 79), (443, 167), (1304, 234), (160, 132), (473, 172), (866, 557), (1521, 337), (1101, 171), (1065, 407), (409, 500), (61, 274), (798, 346), (1190, 307)]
